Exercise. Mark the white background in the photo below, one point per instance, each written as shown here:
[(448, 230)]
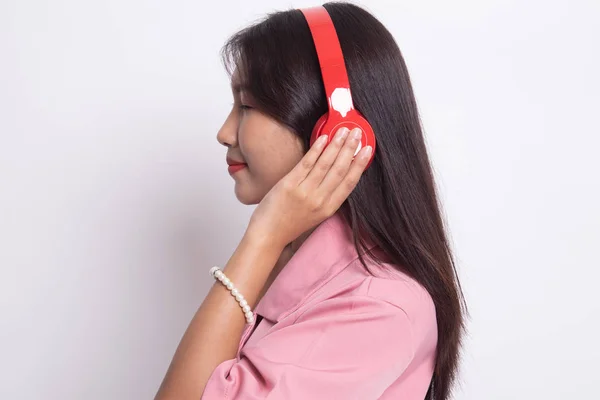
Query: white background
[(115, 199)]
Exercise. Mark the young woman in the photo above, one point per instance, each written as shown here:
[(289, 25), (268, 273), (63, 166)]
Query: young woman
[(345, 273)]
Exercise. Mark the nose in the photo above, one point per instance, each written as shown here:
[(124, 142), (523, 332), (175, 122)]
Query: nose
[(227, 135)]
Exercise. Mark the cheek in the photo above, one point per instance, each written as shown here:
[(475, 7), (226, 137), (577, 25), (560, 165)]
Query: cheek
[(270, 151), (267, 164), (275, 159)]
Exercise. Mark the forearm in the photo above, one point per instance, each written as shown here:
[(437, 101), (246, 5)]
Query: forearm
[(214, 333)]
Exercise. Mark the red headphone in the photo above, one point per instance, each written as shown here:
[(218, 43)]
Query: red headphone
[(336, 82)]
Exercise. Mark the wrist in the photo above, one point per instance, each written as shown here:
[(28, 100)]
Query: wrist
[(263, 240), (259, 252), (251, 264)]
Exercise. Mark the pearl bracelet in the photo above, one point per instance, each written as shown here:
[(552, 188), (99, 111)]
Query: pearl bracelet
[(216, 273)]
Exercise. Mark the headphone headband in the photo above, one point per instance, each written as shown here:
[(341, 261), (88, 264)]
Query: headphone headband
[(329, 51)]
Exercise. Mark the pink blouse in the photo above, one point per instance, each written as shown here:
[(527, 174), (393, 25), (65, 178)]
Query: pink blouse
[(330, 330)]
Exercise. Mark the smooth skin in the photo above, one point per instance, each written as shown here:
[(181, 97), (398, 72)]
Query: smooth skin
[(309, 194)]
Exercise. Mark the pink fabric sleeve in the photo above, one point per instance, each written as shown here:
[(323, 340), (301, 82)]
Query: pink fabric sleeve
[(343, 348)]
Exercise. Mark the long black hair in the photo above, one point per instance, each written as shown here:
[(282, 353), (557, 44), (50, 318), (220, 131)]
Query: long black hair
[(395, 203)]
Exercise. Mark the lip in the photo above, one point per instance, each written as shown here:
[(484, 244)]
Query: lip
[(233, 168)]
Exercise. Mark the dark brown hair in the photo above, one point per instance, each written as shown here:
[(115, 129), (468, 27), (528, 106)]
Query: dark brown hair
[(395, 204)]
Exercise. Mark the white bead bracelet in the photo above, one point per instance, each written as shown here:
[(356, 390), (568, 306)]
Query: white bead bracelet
[(216, 273)]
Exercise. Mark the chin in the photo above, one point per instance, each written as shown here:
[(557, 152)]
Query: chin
[(245, 196)]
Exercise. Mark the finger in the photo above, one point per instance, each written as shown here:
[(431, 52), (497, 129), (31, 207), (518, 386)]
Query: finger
[(326, 160), (343, 190), (306, 164), (342, 163)]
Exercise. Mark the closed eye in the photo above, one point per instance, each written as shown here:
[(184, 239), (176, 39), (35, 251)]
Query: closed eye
[(245, 107)]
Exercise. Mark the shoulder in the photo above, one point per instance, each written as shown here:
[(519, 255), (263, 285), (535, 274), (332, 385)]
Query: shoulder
[(389, 313), (384, 285), (404, 292), (391, 285), (387, 286)]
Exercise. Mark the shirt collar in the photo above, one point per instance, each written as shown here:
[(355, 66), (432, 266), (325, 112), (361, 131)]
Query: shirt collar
[(324, 254)]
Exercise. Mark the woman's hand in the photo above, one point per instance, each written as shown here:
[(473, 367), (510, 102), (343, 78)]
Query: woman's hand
[(312, 191)]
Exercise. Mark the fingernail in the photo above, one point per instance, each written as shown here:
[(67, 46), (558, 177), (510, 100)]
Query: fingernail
[(368, 151), (357, 133), (322, 139), (342, 133)]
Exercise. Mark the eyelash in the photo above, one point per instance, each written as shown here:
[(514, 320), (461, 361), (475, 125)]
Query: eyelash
[(242, 107)]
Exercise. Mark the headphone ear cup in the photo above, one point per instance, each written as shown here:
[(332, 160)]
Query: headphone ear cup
[(318, 128), (353, 120)]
